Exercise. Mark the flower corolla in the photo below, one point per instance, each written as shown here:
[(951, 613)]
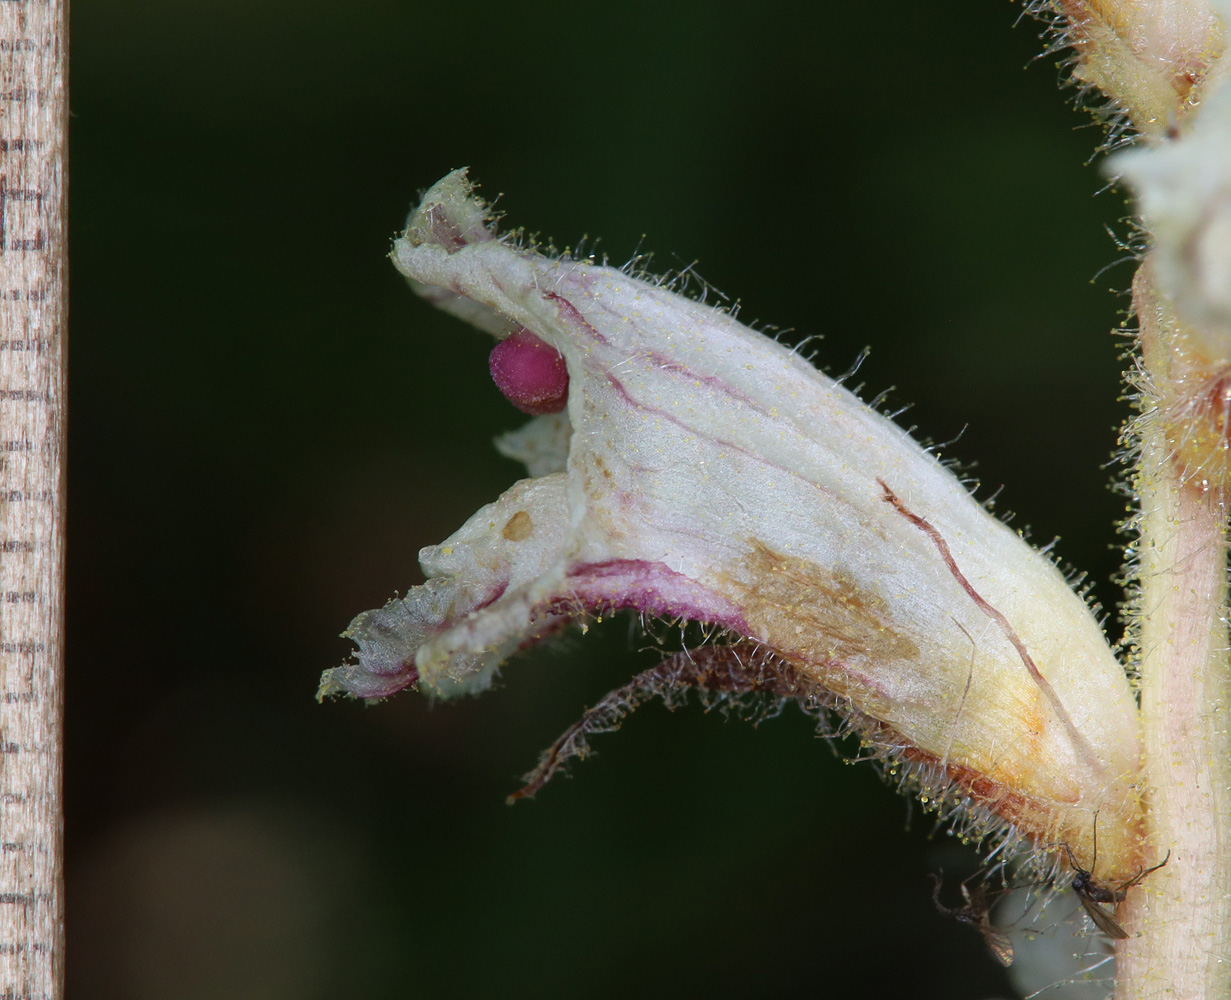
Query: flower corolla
[(704, 472)]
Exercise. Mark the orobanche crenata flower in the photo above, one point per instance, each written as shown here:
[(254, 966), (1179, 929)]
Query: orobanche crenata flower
[(686, 467)]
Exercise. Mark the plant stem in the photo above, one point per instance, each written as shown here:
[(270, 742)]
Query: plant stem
[(1179, 918)]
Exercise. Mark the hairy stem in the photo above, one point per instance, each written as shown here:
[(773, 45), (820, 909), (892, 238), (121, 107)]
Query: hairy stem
[(1179, 919)]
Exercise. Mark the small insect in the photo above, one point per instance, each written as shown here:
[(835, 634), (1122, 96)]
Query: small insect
[(975, 913), (1091, 895)]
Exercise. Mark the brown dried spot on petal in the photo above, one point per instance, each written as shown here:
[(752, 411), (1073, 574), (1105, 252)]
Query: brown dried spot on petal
[(518, 527), (817, 615)]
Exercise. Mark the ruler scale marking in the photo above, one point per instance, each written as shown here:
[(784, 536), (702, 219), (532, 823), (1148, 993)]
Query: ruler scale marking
[(33, 314)]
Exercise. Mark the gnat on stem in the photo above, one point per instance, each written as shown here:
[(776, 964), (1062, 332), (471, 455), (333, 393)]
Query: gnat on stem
[(701, 471)]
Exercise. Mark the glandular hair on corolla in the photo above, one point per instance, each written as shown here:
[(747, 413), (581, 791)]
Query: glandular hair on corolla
[(702, 472)]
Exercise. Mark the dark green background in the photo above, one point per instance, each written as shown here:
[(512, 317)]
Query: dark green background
[(266, 426)]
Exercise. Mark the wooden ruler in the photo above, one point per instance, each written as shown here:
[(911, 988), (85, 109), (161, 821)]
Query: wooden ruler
[(33, 314)]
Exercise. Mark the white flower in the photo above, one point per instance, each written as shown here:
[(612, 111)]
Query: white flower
[(1183, 188), (702, 471)]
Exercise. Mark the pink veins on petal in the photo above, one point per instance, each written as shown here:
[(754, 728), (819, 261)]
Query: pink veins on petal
[(530, 373)]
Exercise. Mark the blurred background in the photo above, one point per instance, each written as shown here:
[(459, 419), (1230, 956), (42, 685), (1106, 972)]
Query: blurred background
[(266, 426)]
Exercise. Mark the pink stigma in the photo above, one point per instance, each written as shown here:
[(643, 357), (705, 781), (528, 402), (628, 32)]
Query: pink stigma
[(530, 373)]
